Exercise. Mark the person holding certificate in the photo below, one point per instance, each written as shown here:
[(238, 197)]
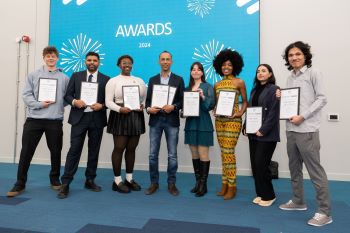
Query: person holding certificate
[(199, 129), (126, 122), (263, 138), (164, 118), (43, 116), (303, 142), (86, 94), (228, 64)]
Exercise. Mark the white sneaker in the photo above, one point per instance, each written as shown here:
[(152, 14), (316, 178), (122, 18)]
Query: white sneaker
[(319, 220), (256, 200), (266, 203), (290, 205)]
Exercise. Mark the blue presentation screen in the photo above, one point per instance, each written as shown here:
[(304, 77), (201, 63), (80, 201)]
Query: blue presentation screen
[(191, 30)]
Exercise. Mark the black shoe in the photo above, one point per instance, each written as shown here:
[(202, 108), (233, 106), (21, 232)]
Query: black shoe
[(173, 190), (56, 184), (64, 190), (121, 187), (90, 184), (132, 185), (152, 189), (15, 191)]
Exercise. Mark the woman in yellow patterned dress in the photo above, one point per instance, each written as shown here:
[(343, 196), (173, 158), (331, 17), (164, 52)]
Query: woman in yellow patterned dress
[(228, 64)]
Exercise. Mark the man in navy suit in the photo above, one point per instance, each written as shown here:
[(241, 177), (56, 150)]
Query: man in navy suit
[(164, 119), (85, 119)]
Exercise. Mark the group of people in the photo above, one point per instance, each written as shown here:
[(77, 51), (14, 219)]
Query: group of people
[(126, 126)]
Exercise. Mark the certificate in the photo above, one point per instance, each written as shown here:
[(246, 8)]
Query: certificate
[(289, 103), (191, 103), (47, 89), (160, 96), (172, 91), (131, 97), (225, 104), (88, 93), (253, 119)]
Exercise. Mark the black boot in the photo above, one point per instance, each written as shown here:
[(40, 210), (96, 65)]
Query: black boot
[(202, 189), (196, 166)]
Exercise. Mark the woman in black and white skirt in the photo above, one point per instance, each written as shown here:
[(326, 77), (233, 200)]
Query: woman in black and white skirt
[(124, 124)]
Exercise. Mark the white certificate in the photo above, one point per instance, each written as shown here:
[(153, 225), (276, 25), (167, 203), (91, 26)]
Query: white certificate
[(131, 97), (225, 104), (88, 93), (191, 103), (253, 119), (289, 103), (172, 91), (160, 96), (47, 89)]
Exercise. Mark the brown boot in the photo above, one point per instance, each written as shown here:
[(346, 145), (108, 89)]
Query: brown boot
[(223, 190), (231, 192)]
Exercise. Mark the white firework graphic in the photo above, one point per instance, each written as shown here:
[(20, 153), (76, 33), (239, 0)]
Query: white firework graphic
[(78, 2), (205, 55), (253, 8), (200, 7), (73, 52)]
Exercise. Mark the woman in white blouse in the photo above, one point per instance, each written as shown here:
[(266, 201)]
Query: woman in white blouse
[(124, 124)]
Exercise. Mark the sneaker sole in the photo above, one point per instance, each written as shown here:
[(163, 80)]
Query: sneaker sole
[(14, 194), (318, 225), (291, 209)]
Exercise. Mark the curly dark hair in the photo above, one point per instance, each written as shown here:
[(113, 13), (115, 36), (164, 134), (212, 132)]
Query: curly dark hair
[(50, 50), (228, 55), (200, 67), (124, 56), (305, 49), (271, 80)]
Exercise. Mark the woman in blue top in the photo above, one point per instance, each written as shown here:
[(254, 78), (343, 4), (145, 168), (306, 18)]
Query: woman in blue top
[(262, 143), (199, 130)]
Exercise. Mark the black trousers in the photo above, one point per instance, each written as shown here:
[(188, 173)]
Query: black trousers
[(77, 137), (33, 130), (260, 159)]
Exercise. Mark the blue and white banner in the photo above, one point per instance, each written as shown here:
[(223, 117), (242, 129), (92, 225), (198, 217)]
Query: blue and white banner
[(192, 30)]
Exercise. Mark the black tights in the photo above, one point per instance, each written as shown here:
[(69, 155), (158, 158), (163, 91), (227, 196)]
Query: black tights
[(121, 144)]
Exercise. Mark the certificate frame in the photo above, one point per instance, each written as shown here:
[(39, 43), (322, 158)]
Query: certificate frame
[(253, 118), (91, 99), (285, 105), (138, 98), (155, 102), (191, 111), (40, 90), (220, 108), (170, 96)]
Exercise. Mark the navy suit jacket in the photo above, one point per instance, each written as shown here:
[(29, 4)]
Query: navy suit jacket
[(270, 127), (73, 92), (173, 117)]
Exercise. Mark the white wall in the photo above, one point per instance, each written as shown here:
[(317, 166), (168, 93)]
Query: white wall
[(322, 23)]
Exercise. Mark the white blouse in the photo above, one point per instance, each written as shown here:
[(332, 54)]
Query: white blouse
[(114, 90)]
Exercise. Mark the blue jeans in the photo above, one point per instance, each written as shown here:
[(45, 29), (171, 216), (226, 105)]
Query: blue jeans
[(172, 138)]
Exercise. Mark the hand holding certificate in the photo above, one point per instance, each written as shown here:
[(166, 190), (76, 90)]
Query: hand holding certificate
[(131, 97), (253, 119), (47, 90), (225, 104), (191, 104), (88, 93), (289, 103)]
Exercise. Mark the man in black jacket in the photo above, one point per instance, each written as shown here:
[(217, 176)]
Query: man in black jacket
[(164, 119), (85, 118)]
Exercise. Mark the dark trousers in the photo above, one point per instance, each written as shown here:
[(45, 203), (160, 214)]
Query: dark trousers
[(77, 138), (33, 130), (260, 159)]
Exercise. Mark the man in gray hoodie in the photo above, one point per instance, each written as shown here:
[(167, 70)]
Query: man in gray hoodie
[(44, 116)]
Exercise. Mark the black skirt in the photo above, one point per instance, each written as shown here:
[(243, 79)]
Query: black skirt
[(130, 124)]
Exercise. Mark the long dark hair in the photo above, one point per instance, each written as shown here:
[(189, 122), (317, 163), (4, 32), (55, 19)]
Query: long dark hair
[(200, 67), (305, 49), (271, 80)]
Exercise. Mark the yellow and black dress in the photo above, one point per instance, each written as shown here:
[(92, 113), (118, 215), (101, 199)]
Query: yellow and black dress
[(228, 130)]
